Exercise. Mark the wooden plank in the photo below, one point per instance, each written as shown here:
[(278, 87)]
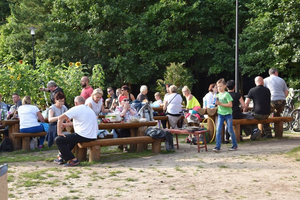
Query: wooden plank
[(278, 129), (23, 135), (118, 141), (263, 121)]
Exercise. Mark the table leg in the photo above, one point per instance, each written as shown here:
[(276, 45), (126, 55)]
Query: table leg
[(204, 139), (17, 144), (177, 141), (133, 133), (198, 141)]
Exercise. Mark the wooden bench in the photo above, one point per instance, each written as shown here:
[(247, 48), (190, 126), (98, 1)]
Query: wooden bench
[(95, 146), (278, 124), (26, 138)]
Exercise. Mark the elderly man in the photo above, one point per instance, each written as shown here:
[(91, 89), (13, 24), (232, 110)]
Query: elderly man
[(279, 91), (53, 89), (85, 128), (261, 97), (87, 90), (142, 96)]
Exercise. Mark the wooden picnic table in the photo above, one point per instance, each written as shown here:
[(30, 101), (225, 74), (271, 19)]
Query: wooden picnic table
[(13, 126)]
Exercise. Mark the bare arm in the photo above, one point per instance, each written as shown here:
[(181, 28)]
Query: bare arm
[(105, 110), (165, 105), (286, 93), (40, 116), (132, 97), (229, 104), (50, 116), (246, 104), (60, 124), (242, 102)]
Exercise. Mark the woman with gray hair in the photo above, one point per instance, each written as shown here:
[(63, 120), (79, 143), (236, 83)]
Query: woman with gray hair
[(172, 106), (143, 94)]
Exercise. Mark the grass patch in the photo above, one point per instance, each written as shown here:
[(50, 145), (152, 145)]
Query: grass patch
[(114, 173), (131, 179), (179, 169), (294, 153), (223, 166)]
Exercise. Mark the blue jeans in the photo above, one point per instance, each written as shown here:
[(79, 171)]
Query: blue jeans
[(221, 119), (35, 129)]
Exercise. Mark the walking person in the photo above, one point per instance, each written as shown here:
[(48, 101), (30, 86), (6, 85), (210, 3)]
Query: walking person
[(224, 103)]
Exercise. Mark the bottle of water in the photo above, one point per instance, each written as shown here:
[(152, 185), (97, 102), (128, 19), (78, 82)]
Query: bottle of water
[(2, 114), (215, 99)]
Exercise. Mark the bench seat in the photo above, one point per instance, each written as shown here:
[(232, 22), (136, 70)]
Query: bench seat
[(278, 124), (26, 138), (95, 146)]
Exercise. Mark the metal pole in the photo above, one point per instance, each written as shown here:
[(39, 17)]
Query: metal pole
[(33, 52), (237, 47)]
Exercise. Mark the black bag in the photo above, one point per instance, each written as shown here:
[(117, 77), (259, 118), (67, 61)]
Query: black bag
[(6, 145)]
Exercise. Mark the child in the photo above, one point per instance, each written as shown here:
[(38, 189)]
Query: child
[(224, 103), (158, 101)]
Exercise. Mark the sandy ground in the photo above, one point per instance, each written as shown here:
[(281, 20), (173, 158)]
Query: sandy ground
[(257, 170)]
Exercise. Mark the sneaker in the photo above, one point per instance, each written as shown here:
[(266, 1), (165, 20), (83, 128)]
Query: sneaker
[(232, 149), (216, 149), (72, 163), (268, 136), (226, 142), (256, 133), (59, 161), (101, 135)]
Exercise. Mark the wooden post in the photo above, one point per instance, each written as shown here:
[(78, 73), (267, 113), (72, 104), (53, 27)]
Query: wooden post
[(26, 143), (81, 153), (141, 132), (237, 131), (95, 152), (156, 146), (17, 143), (278, 128), (133, 133)]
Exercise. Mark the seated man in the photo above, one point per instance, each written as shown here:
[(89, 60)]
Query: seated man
[(261, 97), (85, 128)]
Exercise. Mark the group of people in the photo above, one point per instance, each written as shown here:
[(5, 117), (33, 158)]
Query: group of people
[(268, 96), (269, 92)]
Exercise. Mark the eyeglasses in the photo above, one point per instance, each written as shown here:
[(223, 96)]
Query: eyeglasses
[(125, 99)]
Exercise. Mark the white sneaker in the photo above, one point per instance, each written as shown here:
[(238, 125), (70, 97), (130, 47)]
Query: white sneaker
[(101, 135)]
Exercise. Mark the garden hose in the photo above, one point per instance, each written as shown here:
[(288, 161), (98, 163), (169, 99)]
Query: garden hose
[(213, 137)]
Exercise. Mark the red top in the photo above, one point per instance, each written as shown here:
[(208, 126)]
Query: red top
[(86, 92)]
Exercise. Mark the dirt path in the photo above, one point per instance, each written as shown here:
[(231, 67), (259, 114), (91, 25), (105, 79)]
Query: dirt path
[(258, 170)]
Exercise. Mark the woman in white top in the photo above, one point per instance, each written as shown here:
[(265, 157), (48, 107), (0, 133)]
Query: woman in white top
[(172, 106), (95, 102), (209, 97), (29, 115)]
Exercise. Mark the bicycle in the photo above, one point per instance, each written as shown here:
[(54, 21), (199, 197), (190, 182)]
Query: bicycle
[(289, 110)]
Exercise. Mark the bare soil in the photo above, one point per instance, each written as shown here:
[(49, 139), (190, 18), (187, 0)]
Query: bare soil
[(257, 170)]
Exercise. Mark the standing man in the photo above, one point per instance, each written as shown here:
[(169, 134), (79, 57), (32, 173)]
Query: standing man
[(261, 97), (17, 103), (112, 100), (85, 130), (87, 90), (53, 89), (279, 91)]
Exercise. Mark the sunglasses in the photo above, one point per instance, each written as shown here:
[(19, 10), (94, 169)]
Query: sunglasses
[(125, 99), (108, 90)]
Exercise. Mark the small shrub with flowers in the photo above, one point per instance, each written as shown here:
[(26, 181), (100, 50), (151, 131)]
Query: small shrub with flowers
[(20, 77)]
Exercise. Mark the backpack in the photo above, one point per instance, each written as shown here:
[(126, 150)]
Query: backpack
[(6, 145), (146, 112), (137, 105)]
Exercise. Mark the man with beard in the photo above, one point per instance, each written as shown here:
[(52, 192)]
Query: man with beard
[(87, 89)]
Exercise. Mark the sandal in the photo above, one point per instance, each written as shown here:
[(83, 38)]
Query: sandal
[(72, 163)]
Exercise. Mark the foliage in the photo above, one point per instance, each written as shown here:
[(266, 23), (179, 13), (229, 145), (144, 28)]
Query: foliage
[(21, 78), (271, 38), (176, 74)]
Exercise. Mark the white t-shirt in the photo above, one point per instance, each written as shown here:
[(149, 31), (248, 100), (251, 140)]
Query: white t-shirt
[(277, 87), (28, 116), (96, 107), (174, 103), (209, 98), (84, 121)]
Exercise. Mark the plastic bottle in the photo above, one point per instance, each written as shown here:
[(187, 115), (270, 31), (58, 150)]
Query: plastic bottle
[(2, 114), (215, 99)]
